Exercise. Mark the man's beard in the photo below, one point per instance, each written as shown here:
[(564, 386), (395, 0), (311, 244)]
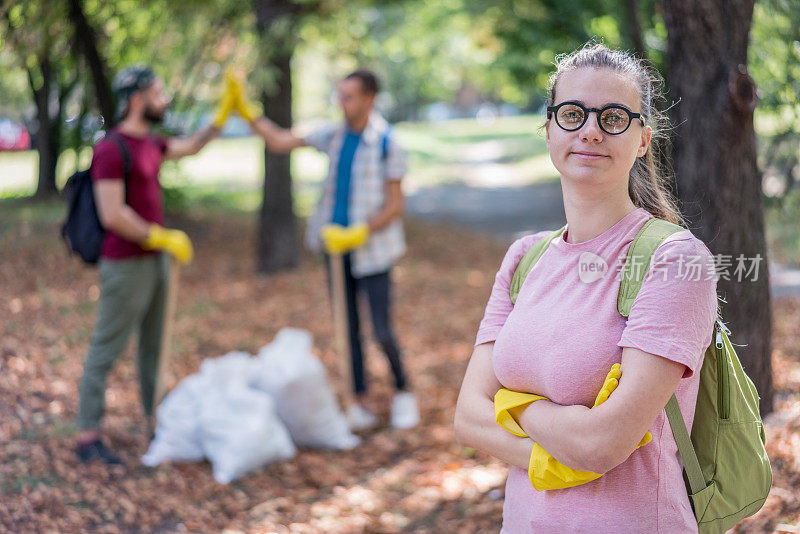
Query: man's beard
[(153, 115)]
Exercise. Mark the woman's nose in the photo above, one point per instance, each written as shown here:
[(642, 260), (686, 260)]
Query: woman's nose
[(591, 131)]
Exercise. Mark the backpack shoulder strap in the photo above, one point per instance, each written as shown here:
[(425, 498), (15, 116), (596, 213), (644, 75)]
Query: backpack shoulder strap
[(527, 262), (691, 465), (385, 144), (640, 255), (126, 154), (126, 158)]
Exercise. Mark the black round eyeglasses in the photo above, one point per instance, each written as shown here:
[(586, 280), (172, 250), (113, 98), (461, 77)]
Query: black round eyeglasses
[(612, 119)]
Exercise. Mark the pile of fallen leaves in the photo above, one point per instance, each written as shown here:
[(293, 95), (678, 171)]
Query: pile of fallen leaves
[(417, 480)]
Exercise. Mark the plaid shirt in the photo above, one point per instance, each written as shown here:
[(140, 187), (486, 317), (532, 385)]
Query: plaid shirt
[(369, 175)]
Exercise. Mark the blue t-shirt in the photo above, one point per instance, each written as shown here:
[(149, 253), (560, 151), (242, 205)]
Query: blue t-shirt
[(343, 175)]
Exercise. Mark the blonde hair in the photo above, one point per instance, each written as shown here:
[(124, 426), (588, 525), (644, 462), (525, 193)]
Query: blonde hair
[(649, 178)]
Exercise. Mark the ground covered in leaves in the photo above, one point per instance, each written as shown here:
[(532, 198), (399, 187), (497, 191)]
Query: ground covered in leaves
[(417, 480)]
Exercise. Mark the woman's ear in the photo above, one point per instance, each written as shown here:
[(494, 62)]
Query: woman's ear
[(547, 134), (647, 135)]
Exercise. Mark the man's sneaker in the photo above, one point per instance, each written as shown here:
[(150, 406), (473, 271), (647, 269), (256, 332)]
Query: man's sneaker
[(96, 451), (405, 413), (359, 418)]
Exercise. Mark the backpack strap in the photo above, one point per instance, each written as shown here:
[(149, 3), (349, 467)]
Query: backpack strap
[(640, 255), (529, 260), (126, 159), (385, 144), (691, 465), (637, 265), (126, 154)]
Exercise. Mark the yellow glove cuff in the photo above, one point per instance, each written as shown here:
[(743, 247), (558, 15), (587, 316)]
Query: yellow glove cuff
[(155, 237), (508, 404), (247, 110)]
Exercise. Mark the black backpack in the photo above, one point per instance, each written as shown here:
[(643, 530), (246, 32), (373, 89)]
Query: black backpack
[(82, 231)]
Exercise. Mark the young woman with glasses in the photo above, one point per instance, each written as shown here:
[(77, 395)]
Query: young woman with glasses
[(563, 334)]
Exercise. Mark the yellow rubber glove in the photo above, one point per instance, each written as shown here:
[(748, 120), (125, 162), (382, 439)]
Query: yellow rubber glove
[(610, 384), (227, 103), (339, 239), (508, 406), (544, 471), (175, 242), (247, 110)]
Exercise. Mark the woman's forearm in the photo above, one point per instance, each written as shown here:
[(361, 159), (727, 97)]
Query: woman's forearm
[(475, 427), (568, 433), (474, 421), (603, 437)]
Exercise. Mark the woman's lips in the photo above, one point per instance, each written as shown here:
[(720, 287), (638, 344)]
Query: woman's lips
[(588, 156)]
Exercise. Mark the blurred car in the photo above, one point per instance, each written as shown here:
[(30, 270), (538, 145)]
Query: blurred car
[(13, 136)]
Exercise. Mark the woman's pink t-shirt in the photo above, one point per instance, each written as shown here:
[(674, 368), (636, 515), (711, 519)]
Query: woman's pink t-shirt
[(560, 340)]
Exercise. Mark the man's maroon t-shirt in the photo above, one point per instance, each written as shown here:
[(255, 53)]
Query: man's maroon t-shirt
[(142, 192)]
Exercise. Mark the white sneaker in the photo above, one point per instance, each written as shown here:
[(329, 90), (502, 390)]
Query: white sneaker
[(405, 413), (359, 418)]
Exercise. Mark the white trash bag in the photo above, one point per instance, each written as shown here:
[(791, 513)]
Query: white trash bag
[(236, 366), (297, 381), (178, 425), (240, 430)]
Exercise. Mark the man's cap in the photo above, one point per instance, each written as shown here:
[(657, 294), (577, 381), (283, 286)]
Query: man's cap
[(130, 80)]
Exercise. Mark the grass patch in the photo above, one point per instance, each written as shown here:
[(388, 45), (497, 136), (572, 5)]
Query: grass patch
[(26, 210)]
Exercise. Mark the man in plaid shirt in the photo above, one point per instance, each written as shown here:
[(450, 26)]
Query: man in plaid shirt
[(360, 215)]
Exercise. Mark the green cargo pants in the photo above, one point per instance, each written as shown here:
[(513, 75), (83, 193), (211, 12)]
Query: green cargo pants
[(132, 295)]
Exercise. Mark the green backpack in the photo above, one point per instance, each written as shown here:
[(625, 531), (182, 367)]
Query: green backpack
[(726, 468)]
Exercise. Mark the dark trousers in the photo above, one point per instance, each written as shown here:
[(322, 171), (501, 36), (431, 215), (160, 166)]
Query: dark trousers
[(377, 288)]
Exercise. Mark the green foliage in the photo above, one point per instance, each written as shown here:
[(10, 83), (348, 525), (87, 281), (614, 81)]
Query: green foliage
[(533, 33), (456, 51), (15, 102), (775, 65), (34, 36), (422, 51), (501, 50), (188, 42)]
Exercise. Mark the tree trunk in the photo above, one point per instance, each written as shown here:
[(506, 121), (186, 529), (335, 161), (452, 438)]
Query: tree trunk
[(86, 40), (278, 247), (635, 28), (47, 136), (714, 155)]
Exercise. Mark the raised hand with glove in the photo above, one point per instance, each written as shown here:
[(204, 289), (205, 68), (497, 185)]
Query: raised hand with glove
[(544, 471), (226, 104), (340, 239), (175, 242), (247, 110)]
